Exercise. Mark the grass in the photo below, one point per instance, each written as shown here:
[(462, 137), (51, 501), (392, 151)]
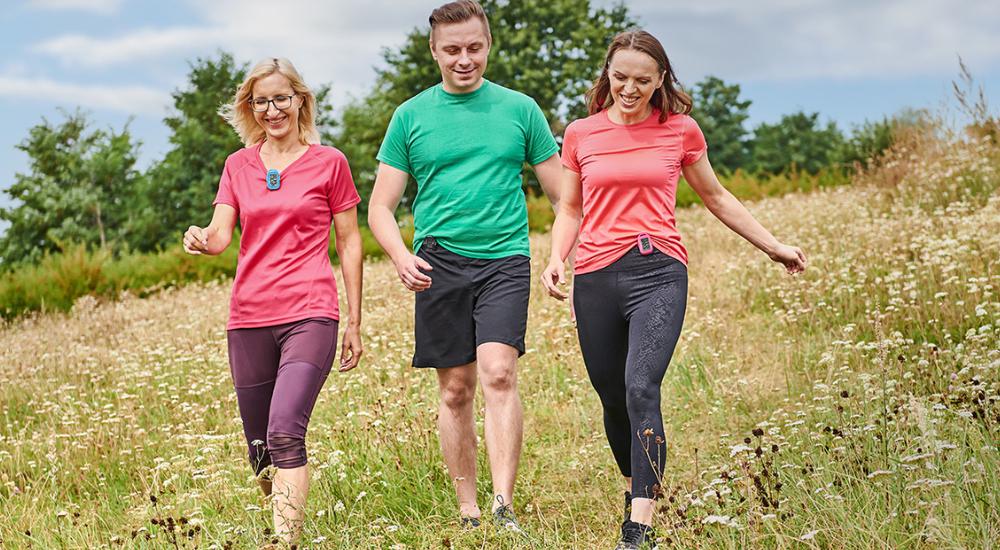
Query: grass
[(855, 406)]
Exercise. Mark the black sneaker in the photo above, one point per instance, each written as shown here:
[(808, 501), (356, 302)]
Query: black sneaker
[(636, 536), (470, 522), (503, 518), (628, 507)]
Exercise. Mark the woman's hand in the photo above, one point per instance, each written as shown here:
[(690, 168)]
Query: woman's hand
[(196, 240), (791, 257), (553, 276), (350, 352)]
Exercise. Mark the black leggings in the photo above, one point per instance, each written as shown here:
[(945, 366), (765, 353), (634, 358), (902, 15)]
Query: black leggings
[(629, 317)]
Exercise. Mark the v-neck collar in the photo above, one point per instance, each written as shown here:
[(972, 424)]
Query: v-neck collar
[(260, 159)]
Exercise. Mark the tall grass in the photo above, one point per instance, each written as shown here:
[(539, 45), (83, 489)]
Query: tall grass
[(855, 406)]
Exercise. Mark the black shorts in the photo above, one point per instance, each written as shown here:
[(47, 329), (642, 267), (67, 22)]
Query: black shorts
[(471, 301)]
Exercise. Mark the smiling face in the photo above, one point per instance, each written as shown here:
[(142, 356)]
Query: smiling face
[(278, 125), (633, 76), (461, 51)]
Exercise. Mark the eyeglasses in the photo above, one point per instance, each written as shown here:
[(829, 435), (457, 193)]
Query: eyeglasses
[(280, 102)]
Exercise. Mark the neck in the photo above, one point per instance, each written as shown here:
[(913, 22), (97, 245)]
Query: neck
[(467, 90), (287, 144), (616, 115)]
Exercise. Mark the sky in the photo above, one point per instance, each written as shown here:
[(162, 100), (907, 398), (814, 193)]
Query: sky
[(849, 60)]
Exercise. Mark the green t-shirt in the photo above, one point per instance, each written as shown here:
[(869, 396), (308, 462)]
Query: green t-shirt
[(466, 152)]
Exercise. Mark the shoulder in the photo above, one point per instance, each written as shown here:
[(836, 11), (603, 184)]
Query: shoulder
[(682, 121), (514, 97), (241, 158), (583, 126), (329, 154), (417, 102)]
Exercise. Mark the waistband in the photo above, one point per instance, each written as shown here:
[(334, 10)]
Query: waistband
[(633, 260)]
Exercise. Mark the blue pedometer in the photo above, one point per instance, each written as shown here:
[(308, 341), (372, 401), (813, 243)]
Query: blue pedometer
[(273, 179)]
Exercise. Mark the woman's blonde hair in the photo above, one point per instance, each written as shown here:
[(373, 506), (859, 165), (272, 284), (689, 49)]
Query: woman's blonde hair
[(240, 116)]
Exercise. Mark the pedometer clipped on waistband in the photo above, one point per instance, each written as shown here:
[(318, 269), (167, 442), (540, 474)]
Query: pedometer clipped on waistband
[(645, 244)]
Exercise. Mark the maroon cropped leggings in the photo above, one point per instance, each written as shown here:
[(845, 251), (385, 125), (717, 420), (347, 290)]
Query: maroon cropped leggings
[(278, 372)]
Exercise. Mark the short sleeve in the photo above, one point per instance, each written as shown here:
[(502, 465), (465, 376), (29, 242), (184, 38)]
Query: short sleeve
[(540, 144), (694, 142), (341, 192), (394, 150), (226, 195), (569, 158)]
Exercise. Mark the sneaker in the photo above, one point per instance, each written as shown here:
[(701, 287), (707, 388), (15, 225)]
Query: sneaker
[(636, 536), (628, 507), (470, 522), (504, 518)]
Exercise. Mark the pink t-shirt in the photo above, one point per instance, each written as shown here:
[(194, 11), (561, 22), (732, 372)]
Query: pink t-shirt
[(628, 175), (284, 272)]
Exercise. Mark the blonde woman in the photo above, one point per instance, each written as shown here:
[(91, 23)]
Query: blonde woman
[(285, 189)]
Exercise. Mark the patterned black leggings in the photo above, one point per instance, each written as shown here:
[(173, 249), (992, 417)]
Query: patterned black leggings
[(629, 317)]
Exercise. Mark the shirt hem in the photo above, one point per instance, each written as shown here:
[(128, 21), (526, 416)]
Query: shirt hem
[(231, 325), (590, 269)]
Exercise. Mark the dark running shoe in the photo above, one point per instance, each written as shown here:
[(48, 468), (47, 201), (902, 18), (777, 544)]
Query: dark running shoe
[(503, 518), (636, 536)]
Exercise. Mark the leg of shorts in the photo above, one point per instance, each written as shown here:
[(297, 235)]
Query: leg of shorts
[(253, 361), (443, 326), (603, 332), (500, 312), (656, 304), (307, 352)]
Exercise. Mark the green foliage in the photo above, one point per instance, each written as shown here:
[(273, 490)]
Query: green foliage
[(181, 187), (550, 50), (78, 189), (750, 187), (797, 142), (721, 116), (60, 279)]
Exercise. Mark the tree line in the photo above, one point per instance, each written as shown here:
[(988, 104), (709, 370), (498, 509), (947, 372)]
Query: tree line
[(82, 185)]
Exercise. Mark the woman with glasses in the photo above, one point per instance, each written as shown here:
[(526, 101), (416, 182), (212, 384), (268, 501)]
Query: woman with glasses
[(286, 190), (630, 289)]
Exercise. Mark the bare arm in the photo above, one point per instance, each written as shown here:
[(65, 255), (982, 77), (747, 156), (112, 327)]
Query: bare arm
[(389, 186), (730, 211), (215, 238), (349, 250), (549, 173), (565, 230)]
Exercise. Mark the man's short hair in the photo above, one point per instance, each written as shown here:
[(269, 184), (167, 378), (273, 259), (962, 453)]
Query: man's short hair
[(460, 12)]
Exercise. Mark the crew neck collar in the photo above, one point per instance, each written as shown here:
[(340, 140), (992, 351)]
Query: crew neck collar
[(466, 96)]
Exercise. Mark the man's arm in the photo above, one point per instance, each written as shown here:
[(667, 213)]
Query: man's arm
[(390, 183)]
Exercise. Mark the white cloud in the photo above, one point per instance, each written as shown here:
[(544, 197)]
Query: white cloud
[(106, 7), (126, 99), (142, 44), (788, 40)]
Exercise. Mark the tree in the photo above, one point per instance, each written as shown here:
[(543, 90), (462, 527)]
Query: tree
[(181, 187), (79, 189), (797, 142), (549, 49), (721, 115)]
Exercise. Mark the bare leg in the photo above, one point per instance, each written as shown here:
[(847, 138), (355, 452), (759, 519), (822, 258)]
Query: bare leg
[(457, 431), (504, 416), (288, 501)]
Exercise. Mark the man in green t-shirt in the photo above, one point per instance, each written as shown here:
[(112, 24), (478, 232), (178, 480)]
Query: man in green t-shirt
[(465, 141)]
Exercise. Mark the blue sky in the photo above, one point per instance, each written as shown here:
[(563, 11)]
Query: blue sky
[(849, 60)]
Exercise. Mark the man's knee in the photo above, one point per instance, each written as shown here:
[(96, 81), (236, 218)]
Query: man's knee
[(457, 394), (498, 377)]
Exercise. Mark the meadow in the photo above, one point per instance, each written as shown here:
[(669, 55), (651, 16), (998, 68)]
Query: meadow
[(854, 406)]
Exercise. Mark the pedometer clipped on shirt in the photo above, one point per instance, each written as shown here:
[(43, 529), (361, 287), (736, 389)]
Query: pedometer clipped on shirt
[(645, 244), (273, 179)]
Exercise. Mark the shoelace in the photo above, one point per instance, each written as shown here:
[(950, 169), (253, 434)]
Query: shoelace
[(632, 533)]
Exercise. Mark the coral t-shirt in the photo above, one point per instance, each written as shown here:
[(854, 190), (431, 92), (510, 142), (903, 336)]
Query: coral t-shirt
[(284, 272), (628, 175)]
